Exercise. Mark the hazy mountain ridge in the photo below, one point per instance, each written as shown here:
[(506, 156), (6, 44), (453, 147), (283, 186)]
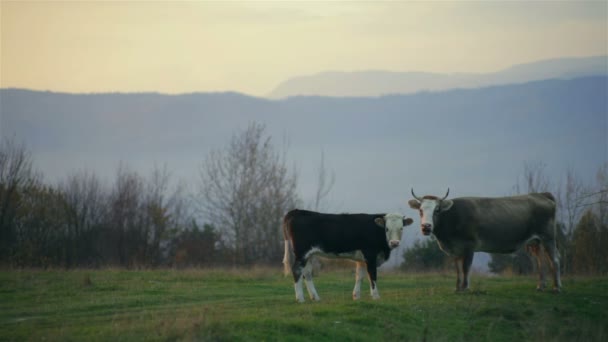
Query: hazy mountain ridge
[(97, 130), (379, 83)]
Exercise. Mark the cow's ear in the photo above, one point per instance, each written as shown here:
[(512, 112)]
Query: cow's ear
[(407, 221), (379, 221), (414, 204), (446, 205)]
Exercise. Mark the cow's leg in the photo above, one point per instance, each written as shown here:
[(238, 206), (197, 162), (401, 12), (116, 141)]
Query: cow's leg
[(372, 275), (553, 256), (534, 248), (310, 286), (358, 279), (458, 263), (297, 271), (467, 261)]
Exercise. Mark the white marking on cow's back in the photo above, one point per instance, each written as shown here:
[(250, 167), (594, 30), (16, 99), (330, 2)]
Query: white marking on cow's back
[(313, 251), (316, 251)]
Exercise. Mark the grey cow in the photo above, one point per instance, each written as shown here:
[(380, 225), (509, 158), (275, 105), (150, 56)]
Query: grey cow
[(466, 225)]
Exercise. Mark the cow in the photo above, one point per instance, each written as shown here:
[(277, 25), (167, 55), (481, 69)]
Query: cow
[(466, 225), (364, 238)]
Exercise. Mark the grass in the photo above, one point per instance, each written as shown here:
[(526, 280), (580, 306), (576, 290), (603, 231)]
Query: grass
[(259, 305)]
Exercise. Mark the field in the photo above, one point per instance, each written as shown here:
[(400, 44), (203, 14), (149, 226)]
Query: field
[(259, 304)]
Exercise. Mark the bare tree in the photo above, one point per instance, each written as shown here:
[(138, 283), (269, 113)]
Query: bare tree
[(16, 176), (601, 194), (125, 241), (588, 253), (39, 228), (85, 207), (164, 211), (245, 189), (325, 183), (572, 202), (534, 179), (601, 203)]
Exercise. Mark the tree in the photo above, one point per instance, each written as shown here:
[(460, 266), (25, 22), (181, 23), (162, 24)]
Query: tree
[(424, 255), (602, 213), (125, 239), (500, 262), (245, 190), (39, 227), (195, 247), (79, 222), (325, 183), (85, 211), (16, 177), (571, 204), (588, 252), (534, 179), (164, 212), (590, 235)]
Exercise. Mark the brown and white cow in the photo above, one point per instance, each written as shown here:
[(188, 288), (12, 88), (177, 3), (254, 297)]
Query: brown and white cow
[(466, 225), (363, 238)]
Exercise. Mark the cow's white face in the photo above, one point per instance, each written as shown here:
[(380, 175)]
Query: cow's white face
[(429, 209), (393, 225)]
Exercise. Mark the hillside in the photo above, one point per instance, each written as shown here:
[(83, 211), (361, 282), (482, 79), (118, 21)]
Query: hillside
[(454, 137)]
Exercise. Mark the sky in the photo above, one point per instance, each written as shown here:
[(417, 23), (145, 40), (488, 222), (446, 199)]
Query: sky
[(251, 46)]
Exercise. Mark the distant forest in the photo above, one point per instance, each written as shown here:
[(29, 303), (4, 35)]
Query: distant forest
[(232, 216)]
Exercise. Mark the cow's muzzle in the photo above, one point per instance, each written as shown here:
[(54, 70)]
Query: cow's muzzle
[(426, 228), (393, 244)]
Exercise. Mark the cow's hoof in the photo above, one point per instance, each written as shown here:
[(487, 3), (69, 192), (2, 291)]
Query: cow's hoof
[(356, 296), (300, 300), (557, 290), (540, 288)]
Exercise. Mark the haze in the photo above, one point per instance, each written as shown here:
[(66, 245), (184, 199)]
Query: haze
[(251, 47)]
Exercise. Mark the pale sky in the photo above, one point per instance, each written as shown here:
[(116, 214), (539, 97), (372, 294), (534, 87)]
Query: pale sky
[(250, 47)]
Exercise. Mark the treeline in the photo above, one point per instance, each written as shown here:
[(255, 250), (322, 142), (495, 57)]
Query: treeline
[(582, 228), (80, 222), (232, 215)]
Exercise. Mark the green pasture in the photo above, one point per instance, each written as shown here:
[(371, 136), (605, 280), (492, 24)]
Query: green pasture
[(259, 305)]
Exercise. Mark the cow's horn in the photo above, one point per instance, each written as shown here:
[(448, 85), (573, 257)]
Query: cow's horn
[(446, 194), (416, 197)]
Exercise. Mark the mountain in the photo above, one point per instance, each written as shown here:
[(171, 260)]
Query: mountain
[(474, 141), (474, 138), (378, 83)]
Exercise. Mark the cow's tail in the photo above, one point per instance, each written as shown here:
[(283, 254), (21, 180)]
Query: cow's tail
[(289, 256), (550, 197)]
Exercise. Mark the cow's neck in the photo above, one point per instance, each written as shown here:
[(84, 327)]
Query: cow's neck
[(386, 251), (439, 231)]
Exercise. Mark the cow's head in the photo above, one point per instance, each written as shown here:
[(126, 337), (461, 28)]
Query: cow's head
[(429, 208), (393, 225)]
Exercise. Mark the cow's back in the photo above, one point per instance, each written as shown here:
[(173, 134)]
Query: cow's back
[(333, 233), (499, 224)]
